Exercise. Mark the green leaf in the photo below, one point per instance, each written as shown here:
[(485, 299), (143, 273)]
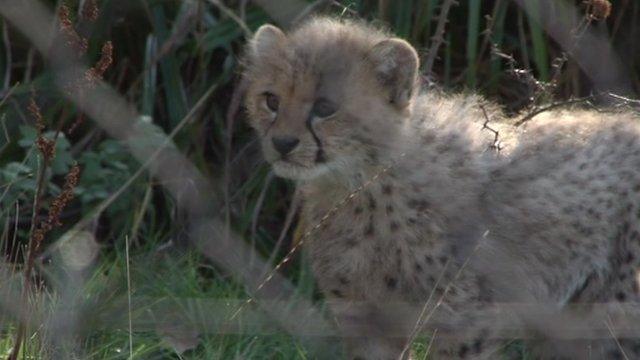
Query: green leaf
[(62, 160), (28, 135), (170, 68), (223, 32), (14, 171)]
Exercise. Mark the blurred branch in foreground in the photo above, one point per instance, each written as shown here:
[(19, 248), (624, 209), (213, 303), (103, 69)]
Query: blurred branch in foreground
[(593, 53), (173, 170)]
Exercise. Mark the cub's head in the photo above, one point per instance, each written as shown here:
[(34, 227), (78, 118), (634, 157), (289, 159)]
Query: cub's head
[(329, 96)]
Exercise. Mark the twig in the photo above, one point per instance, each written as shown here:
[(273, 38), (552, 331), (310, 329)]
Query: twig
[(495, 145), (558, 63), (523, 75), (532, 114), (438, 38), (488, 31), (625, 99), (604, 70)]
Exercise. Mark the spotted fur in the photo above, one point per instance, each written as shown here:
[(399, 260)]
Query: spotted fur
[(550, 219)]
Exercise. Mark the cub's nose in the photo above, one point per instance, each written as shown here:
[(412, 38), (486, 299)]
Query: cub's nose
[(284, 144)]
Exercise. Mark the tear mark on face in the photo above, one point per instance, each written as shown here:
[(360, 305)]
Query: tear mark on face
[(320, 155)]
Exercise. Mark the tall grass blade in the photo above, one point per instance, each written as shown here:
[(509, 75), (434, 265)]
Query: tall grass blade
[(170, 68), (497, 38), (150, 76), (403, 14), (473, 35), (540, 52)]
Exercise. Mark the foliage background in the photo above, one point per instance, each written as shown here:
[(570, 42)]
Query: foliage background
[(168, 56)]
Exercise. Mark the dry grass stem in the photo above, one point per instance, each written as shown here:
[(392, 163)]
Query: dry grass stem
[(598, 9), (608, 323), (314, 228), (96, 73), (126, 239), (90, 10), (68, 31), (47, 147)]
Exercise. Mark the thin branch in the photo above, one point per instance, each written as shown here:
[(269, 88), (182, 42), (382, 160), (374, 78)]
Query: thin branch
[(625, 99), (488, 31), (495, 145), (531, 115), (604, 70), (438, 38)]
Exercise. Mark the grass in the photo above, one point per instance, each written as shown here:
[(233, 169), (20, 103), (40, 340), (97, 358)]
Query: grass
[(172, 58), (172, 290)]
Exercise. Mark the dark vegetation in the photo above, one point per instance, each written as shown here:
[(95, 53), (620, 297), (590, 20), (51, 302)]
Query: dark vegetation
[(93, 247)]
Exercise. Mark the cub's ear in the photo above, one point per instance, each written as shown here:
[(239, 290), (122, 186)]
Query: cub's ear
[(395, 63), (267, 41)]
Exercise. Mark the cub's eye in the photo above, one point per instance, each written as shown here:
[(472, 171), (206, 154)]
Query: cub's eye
[(272, 101), (323, 108)]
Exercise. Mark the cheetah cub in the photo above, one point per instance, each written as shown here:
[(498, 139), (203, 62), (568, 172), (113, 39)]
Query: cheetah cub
[(440, 232)]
